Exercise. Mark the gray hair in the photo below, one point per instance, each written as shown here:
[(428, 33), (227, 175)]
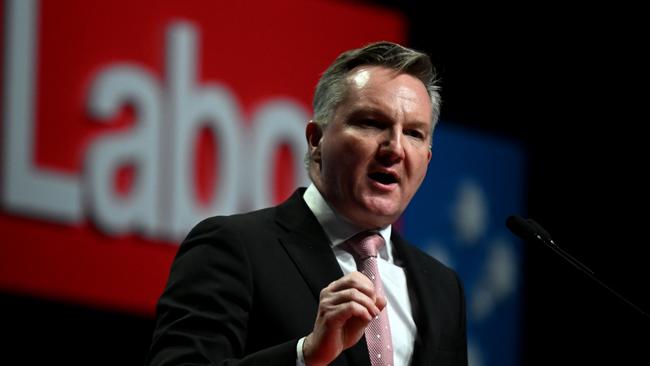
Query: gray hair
[(332, 86)]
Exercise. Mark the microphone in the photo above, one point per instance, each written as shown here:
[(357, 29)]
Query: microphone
[(529, 230)]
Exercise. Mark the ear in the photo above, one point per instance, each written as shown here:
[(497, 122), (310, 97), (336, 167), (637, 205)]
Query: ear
[(314, 134)]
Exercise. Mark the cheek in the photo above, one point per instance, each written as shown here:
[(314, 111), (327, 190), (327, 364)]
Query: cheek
[(338, 164), (419, 172), (345, 156)]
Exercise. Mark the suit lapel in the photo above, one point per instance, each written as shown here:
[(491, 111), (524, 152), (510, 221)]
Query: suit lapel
[(307, 245), (423, 302)]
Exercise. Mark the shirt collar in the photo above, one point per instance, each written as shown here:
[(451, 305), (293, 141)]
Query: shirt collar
[(336, 227)]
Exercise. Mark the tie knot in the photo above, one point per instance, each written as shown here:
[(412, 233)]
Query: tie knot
[(366, 244)]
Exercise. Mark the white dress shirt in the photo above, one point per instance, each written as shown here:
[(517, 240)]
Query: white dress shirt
[(338, 230)]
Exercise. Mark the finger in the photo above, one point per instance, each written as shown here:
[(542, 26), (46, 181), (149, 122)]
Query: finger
[(380, 301), (352, 295), (354, 280), (341, 313)]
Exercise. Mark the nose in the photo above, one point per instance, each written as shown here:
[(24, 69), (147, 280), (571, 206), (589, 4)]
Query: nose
[(391, 149)]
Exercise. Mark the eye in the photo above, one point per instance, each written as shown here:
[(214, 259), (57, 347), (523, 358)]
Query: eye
[(414, 133), (369, 122)]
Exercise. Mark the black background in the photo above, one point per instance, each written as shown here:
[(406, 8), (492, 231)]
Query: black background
[(571, 83)]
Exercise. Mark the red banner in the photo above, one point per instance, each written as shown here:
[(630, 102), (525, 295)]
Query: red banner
[(126, 122)]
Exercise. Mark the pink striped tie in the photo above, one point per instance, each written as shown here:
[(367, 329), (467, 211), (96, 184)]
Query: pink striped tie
[(365, 247)]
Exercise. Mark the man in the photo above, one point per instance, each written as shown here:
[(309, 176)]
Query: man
[(282, 286)]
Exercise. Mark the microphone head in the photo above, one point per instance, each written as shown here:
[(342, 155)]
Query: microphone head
[(539, 229), (521, 227)]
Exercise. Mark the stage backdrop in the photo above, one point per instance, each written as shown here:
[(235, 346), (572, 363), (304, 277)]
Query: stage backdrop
[(126, 122)]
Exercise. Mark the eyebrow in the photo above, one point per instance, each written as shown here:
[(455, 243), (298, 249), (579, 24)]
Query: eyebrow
[(368, 111)]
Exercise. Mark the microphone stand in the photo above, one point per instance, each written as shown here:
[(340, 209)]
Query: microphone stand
[(529, 229)]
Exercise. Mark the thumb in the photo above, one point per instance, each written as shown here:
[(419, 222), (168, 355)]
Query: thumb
[(380, 301)]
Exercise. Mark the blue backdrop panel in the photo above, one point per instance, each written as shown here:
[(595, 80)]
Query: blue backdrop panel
[(474, 182)]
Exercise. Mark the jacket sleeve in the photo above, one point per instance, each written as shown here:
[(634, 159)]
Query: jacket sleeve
[(203, 314)]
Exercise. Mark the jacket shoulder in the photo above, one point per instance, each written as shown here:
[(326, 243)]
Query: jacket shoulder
[(243, 222), (426, 262)]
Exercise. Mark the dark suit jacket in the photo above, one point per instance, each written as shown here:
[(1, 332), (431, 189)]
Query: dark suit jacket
[(243, 289)]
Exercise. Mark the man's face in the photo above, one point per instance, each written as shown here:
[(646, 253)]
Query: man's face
[(372, 157)]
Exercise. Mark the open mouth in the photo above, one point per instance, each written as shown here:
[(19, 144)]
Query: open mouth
[(383, 178)]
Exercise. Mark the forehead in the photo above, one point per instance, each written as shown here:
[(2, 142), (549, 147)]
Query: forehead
[(387, 90)]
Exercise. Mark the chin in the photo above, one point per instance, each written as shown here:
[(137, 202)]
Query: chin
[(382, 213)]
